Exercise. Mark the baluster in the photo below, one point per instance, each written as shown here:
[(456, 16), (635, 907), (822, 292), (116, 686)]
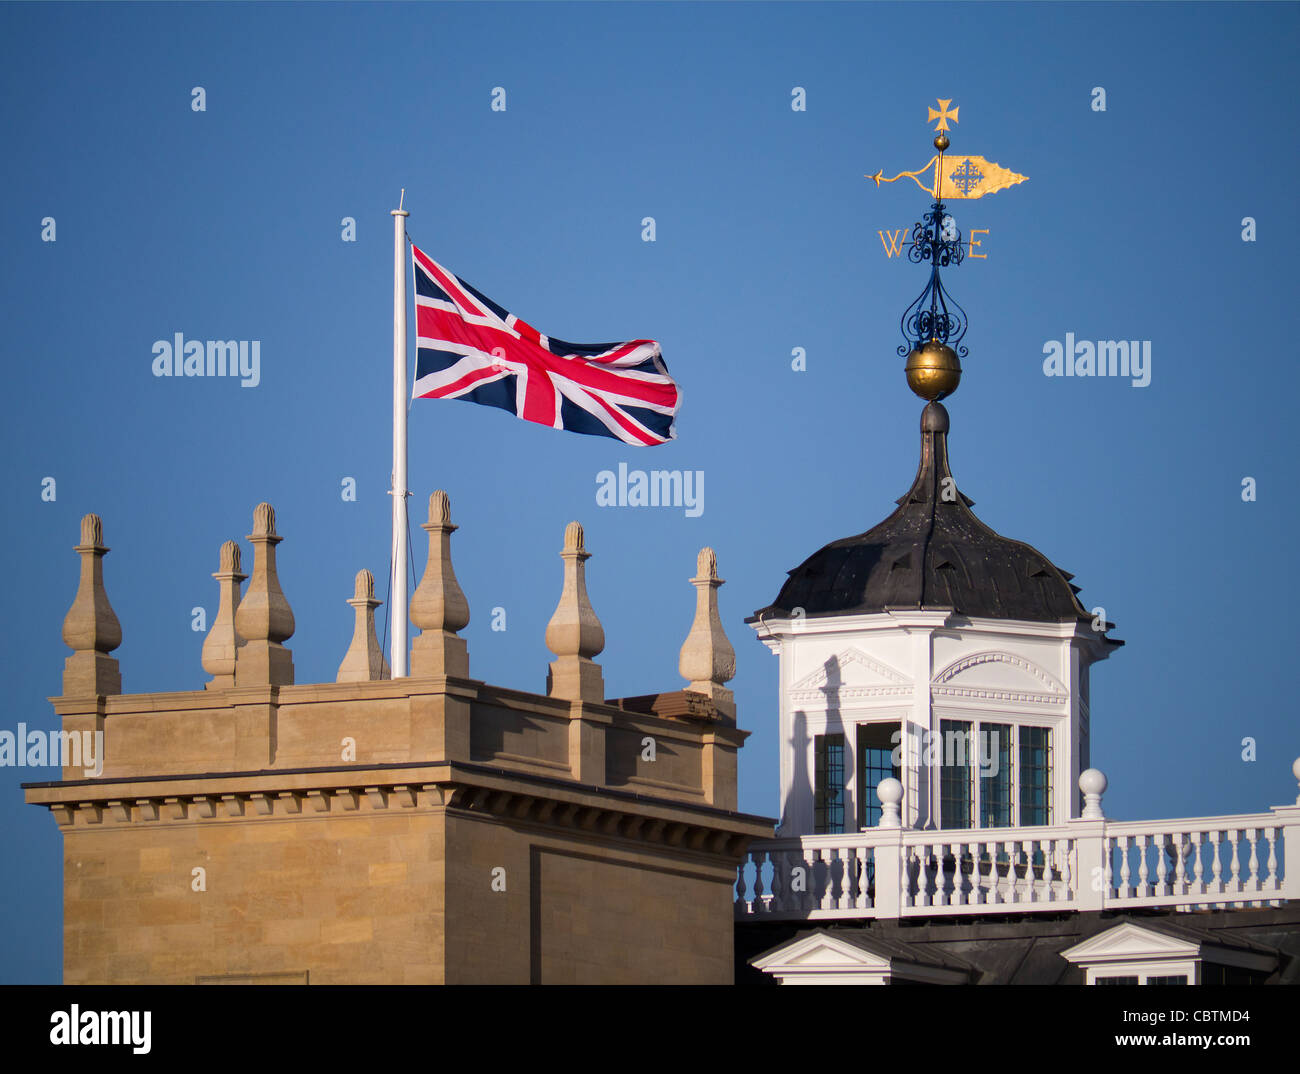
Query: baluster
[(1053, 851), (1048, 854), (848, 866), (940, 877), (1198, 863), (1052, 870), (1252, 836), (1031, 882), (741, 886), (1123, 867), (825, 857), (862, 871), (1274, 884), (1045, 881), (850, 858), (976, 891), (1234, 870), (1162, 865), (812, 856), (909, 892), (1067, 873), (959, 852), (922, 875), (777, 892), (934, 868), (1216, 861), (1012, 854), (815, 893), (1144, 889), (1184, 846), (865, 899)]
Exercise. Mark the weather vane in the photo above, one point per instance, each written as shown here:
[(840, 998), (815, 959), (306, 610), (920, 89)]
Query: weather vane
[(934, 324)]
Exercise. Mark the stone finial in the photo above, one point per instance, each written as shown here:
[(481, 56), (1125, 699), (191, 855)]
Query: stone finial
[(364, 661), (90, 628), (707, 659), (264, 619), (890, 792), (574, 634), (222, 644), (1295, 771), (1093, 783), (438, 605)]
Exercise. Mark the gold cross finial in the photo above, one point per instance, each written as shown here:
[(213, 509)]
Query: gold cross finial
[(943, 115)]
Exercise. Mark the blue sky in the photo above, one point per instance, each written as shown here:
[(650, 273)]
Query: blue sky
[(226, 224)]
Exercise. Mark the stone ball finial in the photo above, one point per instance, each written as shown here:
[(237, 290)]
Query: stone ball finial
[(1295, 771), (439, 508), (707, 659), (574, 633), (706, 564), (264, 520), (365, 585), (92, 530), (1093, 783), (229, 557), (890, 792)]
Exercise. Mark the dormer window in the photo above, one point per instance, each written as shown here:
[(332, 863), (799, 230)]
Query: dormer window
[(1165, 952)]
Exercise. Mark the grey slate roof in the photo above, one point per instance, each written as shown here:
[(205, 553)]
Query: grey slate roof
[(931, 553)]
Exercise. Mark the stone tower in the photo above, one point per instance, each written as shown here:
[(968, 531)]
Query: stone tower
[(430, 829)]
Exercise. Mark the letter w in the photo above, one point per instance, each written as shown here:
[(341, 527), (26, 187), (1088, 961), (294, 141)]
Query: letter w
[(895, 245)]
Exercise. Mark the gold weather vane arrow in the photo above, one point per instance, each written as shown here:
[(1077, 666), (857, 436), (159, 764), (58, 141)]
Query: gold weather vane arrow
[(966, 177)]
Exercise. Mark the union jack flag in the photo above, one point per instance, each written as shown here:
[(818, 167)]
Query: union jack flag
[(468, 347)]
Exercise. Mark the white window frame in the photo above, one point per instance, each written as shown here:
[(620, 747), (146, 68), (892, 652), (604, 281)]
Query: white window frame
[(1051, 724)]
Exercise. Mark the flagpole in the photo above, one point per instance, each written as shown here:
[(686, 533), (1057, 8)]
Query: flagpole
[(398, 608)]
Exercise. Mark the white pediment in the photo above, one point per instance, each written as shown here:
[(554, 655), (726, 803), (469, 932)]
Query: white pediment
[(851, 673), (1129, 941), (821, 951), (999, 675)]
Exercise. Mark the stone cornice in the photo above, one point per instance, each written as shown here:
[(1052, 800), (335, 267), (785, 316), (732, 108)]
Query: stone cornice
[(479, 789)]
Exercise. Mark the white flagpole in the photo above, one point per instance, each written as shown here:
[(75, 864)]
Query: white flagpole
[(398, 609)]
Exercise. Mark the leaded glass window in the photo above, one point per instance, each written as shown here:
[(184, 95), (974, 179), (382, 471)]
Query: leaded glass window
[(828, 785)]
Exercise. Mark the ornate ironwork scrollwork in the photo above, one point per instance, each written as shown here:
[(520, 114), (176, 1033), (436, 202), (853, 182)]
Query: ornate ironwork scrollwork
[(932, 242), (934, 314)]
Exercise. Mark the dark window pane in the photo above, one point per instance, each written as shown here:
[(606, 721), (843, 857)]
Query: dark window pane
[(1035, 775), (955, 787), (828, 792), (876, 744), (996, 775)]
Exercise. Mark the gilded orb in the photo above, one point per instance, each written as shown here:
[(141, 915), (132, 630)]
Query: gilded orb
[(933, 371), (941, 141)]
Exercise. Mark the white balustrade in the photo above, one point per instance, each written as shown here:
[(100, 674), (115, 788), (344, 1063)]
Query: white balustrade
[(1199, 863)]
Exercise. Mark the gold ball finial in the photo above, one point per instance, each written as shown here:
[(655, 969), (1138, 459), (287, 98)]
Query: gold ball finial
[(941, 141), (933, 370)]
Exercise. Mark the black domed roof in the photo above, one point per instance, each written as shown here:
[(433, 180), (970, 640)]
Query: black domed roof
[(931, 553)]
